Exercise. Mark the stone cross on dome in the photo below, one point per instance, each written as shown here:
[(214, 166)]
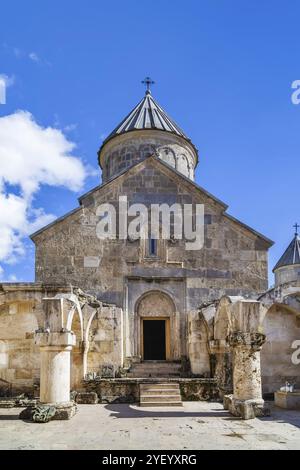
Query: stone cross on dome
[(148, 82), (296, 226)]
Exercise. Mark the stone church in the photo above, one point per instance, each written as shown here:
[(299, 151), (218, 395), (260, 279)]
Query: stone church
[(110, 315)]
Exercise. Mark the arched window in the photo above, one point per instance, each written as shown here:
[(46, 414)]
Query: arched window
[(152, 247)]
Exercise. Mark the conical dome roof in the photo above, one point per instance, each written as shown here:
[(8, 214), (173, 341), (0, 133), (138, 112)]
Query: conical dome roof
[(147, 114), (291, 255)]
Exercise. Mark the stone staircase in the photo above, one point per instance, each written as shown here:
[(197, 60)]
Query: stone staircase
[(160, 394), (154, 369)]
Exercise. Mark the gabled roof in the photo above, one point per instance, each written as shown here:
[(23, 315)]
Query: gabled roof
[(147, 114), (291, 255), (183, 177), (191, 183), (164, 164)]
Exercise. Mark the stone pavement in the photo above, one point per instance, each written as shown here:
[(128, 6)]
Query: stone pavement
[(197, 425)]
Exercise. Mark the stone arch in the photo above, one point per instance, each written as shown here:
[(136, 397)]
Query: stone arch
[(91, 353), (77, 354), (190, 167), (160, 304), (183, 165), (223, 320), (75, 315), (168, 155), (145, 303)]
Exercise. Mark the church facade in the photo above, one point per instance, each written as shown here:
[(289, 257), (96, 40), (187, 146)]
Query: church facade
[(149, 306)]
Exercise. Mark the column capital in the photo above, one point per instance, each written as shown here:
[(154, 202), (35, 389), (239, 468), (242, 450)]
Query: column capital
[(252, 341), (61, 340)]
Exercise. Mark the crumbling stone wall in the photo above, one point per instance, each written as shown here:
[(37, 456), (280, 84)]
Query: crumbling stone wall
[(198, 344), (128, 390), (282, 328), (106, 341), (20, 316)]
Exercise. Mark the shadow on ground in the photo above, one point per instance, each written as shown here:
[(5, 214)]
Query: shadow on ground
[(280, 415), (9, 417), (127, 411)]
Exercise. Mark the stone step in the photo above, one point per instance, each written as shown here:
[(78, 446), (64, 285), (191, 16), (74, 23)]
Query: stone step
[(156, 369), (145, 375), (157, 366), (155, 404), (161, 386), (153, 373), (160, 398), (159, 391), (160, 394)]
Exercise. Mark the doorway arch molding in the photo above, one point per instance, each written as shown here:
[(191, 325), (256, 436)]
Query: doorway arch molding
[(157, 303)]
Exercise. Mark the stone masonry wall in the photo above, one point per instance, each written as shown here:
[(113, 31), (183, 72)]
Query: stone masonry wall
[(126, 150), (20, 315), (282, 328), (233, 260)]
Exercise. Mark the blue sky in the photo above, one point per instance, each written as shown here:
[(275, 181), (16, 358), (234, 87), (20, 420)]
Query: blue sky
[(223, 71)]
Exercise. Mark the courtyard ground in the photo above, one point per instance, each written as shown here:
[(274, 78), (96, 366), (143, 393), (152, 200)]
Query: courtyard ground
[(197, 425)]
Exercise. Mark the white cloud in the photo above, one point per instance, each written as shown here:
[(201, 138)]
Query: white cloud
[(30, 155), (34, 57), (9, 81), (5, 82), (70, 127), (9, 278), (22, 54)]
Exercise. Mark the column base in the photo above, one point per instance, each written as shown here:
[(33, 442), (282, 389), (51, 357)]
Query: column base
[(246, 409), (45, 412)]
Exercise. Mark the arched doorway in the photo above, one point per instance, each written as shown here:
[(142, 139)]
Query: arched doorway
[(155, 312)]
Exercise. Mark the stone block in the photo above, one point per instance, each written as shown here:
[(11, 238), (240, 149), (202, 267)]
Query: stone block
[(7, 402), (288, 400), (58, 411), (91, 261), (24, 374), (227, 399), (107, 371), (246, 409), (86, 398)]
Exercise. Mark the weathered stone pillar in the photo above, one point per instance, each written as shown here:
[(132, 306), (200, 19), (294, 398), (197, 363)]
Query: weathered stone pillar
[(246, 400), (85, 347), (55, 402), (55, 351)]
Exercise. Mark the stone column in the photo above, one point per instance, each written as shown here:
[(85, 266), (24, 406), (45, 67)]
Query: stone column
[(85, 348), (55, 349), (246, 400)]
